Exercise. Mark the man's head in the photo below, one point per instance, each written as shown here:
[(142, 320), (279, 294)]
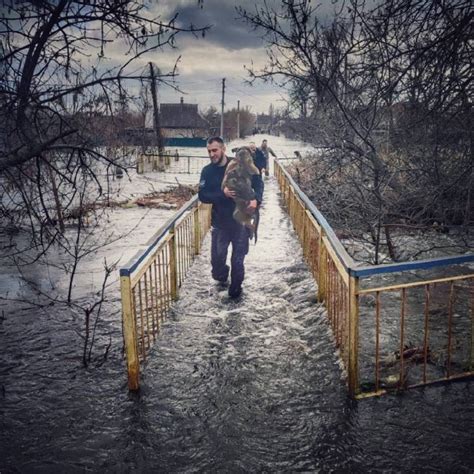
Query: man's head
[(216, 150), (264, 143), (252, 147)]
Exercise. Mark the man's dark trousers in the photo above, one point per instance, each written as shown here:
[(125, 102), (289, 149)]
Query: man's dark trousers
[(238, 236)]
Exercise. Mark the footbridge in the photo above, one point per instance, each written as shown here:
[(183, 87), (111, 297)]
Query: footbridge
[(391, 327)]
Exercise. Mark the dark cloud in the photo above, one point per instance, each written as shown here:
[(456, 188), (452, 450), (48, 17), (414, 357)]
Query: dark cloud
[(227, 29)]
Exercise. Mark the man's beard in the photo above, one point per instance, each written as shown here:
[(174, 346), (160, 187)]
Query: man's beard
[(217, 163)]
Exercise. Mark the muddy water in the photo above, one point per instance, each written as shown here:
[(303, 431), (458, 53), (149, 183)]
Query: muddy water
[(231, 386)]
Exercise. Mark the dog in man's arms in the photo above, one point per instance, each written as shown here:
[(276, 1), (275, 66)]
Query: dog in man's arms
[(238, 178)]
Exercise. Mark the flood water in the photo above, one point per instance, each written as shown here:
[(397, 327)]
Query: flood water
[(252, 385)]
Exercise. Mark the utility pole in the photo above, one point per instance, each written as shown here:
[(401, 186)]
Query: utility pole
[(222, 108), (238, 119), (156, 115)]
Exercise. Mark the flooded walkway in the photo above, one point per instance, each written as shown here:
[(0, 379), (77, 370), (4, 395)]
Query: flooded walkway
[(240, 384), (252, 385)]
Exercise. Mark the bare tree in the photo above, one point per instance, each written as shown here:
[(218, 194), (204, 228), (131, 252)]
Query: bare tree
[(63, 96), (59, 92), (384, 89)]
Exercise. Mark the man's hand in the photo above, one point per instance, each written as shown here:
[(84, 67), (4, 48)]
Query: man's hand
[(228, 193), (252, 206)]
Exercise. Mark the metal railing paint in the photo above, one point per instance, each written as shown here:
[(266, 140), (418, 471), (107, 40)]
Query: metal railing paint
[(339, 277), (151, 279)]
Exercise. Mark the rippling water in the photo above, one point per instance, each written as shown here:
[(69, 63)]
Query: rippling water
[(231, 386)]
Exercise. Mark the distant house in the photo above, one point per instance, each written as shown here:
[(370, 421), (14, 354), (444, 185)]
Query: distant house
[(180, 125), (182, 121)]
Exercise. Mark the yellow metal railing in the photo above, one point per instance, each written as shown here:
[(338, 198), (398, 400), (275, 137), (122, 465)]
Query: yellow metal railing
[(150, 281), (389, 336)]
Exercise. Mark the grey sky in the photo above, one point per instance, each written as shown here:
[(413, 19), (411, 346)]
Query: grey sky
[(228, 46), (226, 49)]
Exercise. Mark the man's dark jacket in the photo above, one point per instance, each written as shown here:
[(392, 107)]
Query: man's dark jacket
[(260, 159), (210, 192)]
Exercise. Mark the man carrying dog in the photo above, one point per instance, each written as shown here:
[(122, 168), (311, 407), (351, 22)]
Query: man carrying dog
[(225, 230)]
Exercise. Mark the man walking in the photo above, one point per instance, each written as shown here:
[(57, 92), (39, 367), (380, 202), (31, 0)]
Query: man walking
[(267, 151), (225, 230)]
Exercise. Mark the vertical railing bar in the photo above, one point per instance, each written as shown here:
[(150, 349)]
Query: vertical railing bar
[(182, 253), (147, 312), (165, 276), (185, 250), (161, 271), (169, 275), (426, 329), (377, 340), (154, 297), (330, 294), (173, 263), (322, 270), (157, 295), (353, 369), (190, 240), (152, 301), (450, 326), (402, 336), (135, 310), (471, 364), (334, 279), (142, 324), (340, 305), (188, 245), (177, 241), (337, 302), (179, 260), (135, 315)]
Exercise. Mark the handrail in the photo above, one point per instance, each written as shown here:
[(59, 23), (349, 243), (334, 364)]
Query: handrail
[(139, 257), (369, 270), (341, 252)]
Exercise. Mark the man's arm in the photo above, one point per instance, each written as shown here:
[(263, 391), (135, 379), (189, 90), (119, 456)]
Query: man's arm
[(209, 193), (271, 152)]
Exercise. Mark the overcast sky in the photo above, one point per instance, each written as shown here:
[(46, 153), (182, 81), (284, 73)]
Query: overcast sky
[(228, 46)]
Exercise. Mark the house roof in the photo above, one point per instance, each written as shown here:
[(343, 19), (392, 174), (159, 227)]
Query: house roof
[(181, 116)]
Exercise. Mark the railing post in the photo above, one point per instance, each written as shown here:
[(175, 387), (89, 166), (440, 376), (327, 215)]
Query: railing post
[(353, 368), (197, 230), (173, 264), (130, 333)]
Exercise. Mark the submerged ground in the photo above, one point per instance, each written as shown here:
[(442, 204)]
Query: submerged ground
[(231, 386)]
